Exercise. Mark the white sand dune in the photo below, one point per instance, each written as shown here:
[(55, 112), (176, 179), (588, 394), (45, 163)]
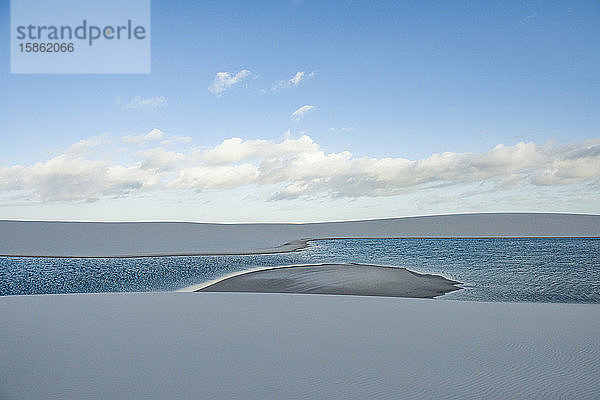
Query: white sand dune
[(350, 279), (282, 346), (93, 239)]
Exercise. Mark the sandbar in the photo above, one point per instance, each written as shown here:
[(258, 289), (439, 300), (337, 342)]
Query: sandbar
[(342, 279)]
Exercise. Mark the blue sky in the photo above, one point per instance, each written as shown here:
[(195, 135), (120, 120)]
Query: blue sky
[(386, 80)]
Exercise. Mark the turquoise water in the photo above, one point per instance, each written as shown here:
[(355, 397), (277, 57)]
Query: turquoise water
[(535, 270)]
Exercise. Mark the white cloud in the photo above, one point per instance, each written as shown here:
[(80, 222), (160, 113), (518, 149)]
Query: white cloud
[(235, 149), (160, 159), (146, 104), (293, 81), (216, 176), (344, 129), (529, 19), (299, 113), (71, 177), (153, 135), (225, 80), (298, 168), (85, 145), (173, 140)]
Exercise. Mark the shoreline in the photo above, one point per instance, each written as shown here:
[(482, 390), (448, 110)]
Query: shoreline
[(334, 279), (290, 247), (163, 239), (293, 246)]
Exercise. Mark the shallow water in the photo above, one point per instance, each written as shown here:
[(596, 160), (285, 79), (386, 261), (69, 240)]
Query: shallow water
[(534, 270)]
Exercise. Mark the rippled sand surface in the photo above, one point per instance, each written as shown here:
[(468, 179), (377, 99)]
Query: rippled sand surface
[(291, 346)]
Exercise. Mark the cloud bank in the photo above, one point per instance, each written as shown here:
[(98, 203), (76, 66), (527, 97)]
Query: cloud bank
[(291, 168)]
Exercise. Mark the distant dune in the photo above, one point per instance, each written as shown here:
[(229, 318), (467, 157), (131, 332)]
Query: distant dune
[(122, 239)]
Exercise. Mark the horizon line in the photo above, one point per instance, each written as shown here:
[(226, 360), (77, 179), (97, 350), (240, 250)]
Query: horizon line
[(295, 222)]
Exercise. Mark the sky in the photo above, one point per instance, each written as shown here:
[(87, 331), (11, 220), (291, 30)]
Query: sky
[(295, 111)]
